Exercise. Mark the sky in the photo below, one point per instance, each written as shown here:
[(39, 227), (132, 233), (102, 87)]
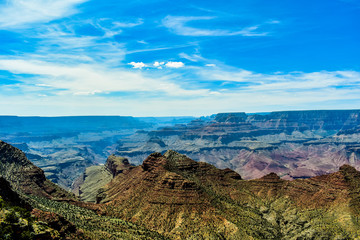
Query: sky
[(183, 58)]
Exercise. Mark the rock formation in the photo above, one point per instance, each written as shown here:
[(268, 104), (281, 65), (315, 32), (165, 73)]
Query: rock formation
[(32, 207), (26, 177), (293, 144), (95, 178), (170, 196), (179, 198)]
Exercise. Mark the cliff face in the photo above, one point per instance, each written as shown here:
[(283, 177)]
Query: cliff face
[(171, 194), (117, 165), (51, 212), (23, 175), (95, 178), (274, 122), (328, 120), (179, 198), (294, 144)]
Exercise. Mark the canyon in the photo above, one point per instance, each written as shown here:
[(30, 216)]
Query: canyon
[(293, 144), (63, 147), (278, 175), (170, 196)]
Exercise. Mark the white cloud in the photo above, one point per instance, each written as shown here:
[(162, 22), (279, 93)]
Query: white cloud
[(139, 65), (24, 13), (158, 64), (177, 24), (90, 79), (210, 65), (197, 106), (174, 64), (86, 89)]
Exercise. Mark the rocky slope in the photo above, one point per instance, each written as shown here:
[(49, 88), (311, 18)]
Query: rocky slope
[(18, 219), (294, 144), (32, 207), (171, 196), (95, 178), (185, 199), (26, 177)]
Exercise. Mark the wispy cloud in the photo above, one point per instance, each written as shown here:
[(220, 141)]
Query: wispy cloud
[(192, 58), (299, 82), (62, 40), (112, 28), (24, 13), (89, 79), (80, 86), (161, 48), (60, 59), (210, 65), (178, 25)]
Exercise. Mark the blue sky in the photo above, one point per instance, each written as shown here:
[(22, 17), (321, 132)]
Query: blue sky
[(158, 58)]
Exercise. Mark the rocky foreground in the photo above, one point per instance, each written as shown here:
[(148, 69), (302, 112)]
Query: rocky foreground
[(170, 196)]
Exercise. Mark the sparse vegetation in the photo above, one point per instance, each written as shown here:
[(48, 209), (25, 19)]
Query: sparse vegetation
[(95, 226), (173, 197), (15, 222)]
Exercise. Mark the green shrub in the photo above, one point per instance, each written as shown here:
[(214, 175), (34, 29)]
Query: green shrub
[(11, 217), (2, 203), (6, 231)]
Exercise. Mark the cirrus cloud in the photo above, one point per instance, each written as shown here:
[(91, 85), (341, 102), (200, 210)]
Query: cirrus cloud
[(178, 25), (24, 13)]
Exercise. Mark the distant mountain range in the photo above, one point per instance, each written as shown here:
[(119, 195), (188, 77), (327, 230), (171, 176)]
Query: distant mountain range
[(64, 146), (293, 144), (170, 196)]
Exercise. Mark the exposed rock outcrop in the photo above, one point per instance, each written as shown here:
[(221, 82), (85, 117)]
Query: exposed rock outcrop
[(293, 144), (49, 215), (116, 164), (90, 184), (179, 197), (172, 196), (177, 185), (26, 177)]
